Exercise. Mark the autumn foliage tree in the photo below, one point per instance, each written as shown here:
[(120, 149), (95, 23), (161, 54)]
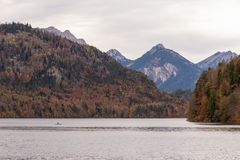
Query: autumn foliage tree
[(217, 95), (44, 75)]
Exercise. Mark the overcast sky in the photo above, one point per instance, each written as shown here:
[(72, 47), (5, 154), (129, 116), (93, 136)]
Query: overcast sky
[(194, 28)]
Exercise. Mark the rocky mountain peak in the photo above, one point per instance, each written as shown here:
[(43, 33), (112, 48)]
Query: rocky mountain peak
[(115, 54), (167, 68), (66, 34), (159, 46), (215, 59)]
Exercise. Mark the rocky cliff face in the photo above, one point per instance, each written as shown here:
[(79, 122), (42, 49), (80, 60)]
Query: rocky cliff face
[(168, 69)]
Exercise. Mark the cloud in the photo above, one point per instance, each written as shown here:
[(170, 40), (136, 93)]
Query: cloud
[(196, 29)]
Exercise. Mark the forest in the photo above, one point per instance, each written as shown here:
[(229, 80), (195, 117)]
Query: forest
[(44, 75), (217, 95)]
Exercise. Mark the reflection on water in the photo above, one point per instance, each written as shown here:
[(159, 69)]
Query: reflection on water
[(143, 139), (144, 129)]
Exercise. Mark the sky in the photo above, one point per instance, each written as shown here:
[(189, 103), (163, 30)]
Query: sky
[(194, 28)]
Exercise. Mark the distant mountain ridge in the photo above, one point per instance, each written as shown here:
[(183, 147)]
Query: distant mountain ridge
[(215, 59), (169, 70), (66, 34)]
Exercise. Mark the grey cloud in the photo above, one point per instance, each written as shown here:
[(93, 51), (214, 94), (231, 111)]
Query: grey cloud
[(191, 27)]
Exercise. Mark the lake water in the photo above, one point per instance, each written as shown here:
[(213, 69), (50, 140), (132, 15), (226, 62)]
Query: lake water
[(117, 139)]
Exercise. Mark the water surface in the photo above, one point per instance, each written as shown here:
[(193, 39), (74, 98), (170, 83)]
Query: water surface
[(120, 139)]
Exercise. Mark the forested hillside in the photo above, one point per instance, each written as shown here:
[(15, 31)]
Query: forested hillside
[(217, 95), (44, 75)]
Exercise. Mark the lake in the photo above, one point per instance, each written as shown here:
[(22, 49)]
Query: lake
[(117, 139)]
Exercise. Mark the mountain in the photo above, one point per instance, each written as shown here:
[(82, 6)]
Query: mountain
[(66, 34), (217, 95), (115, 54), (168, 69), (44, 75), (215, 59)]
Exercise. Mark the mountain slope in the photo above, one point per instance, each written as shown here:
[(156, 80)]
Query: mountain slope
[(217, 95), (215, 59), (66, 34), (44, 75), (169, 70), (115, 54)]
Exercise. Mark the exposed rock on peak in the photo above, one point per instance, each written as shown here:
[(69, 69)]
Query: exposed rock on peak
[(115, 54), (66, 34), (159, 46)]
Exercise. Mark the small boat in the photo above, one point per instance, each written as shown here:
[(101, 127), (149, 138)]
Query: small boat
[(58, 123)]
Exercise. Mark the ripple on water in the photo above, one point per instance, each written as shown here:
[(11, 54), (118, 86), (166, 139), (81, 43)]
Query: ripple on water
[(117, 139)]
